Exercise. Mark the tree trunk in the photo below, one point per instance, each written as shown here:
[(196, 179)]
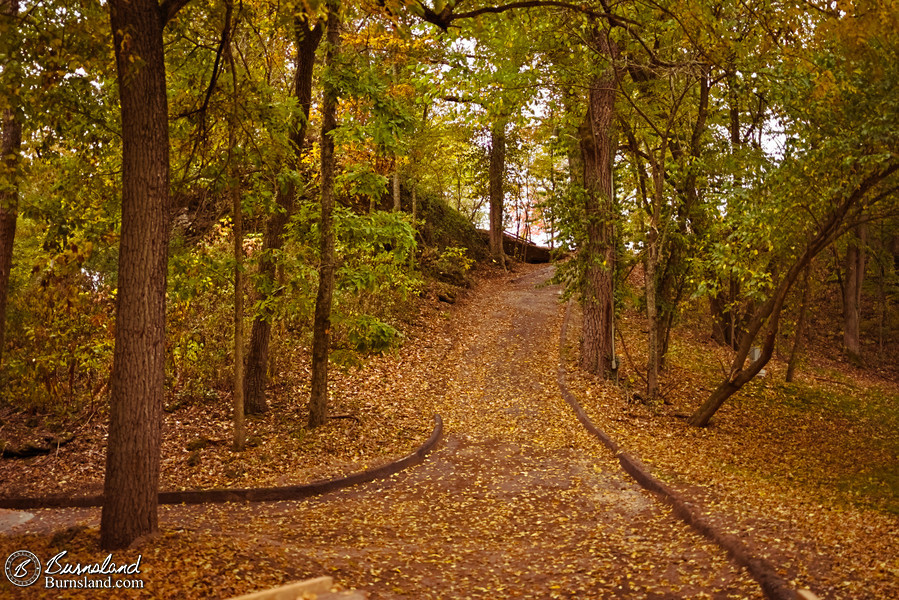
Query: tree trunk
[(306, 40), (768, 315), (654, 244), (397, 201), (720, 319), (692, 217), (10, 146), (396, 189), (497, 176), (800, 329), (882, 289), (240, 432), (852, 293), (652, 316), (726, 318), (598, 152), (321, 334), (138, 371)]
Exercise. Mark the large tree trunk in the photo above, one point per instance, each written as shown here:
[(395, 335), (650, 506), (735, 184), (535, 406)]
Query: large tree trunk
[(10, 146), (321, 334), (497, 176), (138, 370), (852, 293), (307, 40), (598, 152)]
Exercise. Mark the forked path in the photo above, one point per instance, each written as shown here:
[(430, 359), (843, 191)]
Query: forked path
[(518, 502)]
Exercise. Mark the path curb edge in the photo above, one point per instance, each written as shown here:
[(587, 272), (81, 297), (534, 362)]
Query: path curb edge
[(291, 492), (772, 584)]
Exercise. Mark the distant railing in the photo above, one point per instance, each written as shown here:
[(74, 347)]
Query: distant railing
[(522, 248)]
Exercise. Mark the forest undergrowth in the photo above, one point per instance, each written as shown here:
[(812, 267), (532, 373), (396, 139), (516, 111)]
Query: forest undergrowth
[(375, 417)]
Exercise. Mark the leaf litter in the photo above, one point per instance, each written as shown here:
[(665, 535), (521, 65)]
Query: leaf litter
[(518, 501), (796, 470)]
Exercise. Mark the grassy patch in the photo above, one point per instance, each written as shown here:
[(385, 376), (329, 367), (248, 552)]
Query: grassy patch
[(836, 441), (876, 487)]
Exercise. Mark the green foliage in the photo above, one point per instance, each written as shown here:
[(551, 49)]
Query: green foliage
[(375, 280), (55, 74), (59, 330), (368, 335), (571, 221), (361, 180), (442, 227), (742, 211), (376, 273), (572, 226), (454, 260), (451, 265), (200, 299)]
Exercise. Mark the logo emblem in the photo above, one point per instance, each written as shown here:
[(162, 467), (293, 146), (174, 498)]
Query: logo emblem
[(22, 568)]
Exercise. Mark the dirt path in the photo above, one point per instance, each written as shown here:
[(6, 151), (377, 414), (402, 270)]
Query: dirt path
[(518, 502)]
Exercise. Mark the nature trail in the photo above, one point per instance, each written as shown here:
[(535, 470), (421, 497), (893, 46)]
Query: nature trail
[(518, 502)]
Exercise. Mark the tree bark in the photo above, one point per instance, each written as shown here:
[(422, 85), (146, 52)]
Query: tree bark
[(240, 431), (852, 293), (598, 153), (256, 380), (800, 329), (10, 147), (496, 176), (138, 370), (726, 317), (396, 189), (652, 316), (321, 334), (654, 244), (719, 317)]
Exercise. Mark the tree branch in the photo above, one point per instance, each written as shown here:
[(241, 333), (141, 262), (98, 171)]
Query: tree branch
[(445, 18), (170, 8), (461, 100)]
